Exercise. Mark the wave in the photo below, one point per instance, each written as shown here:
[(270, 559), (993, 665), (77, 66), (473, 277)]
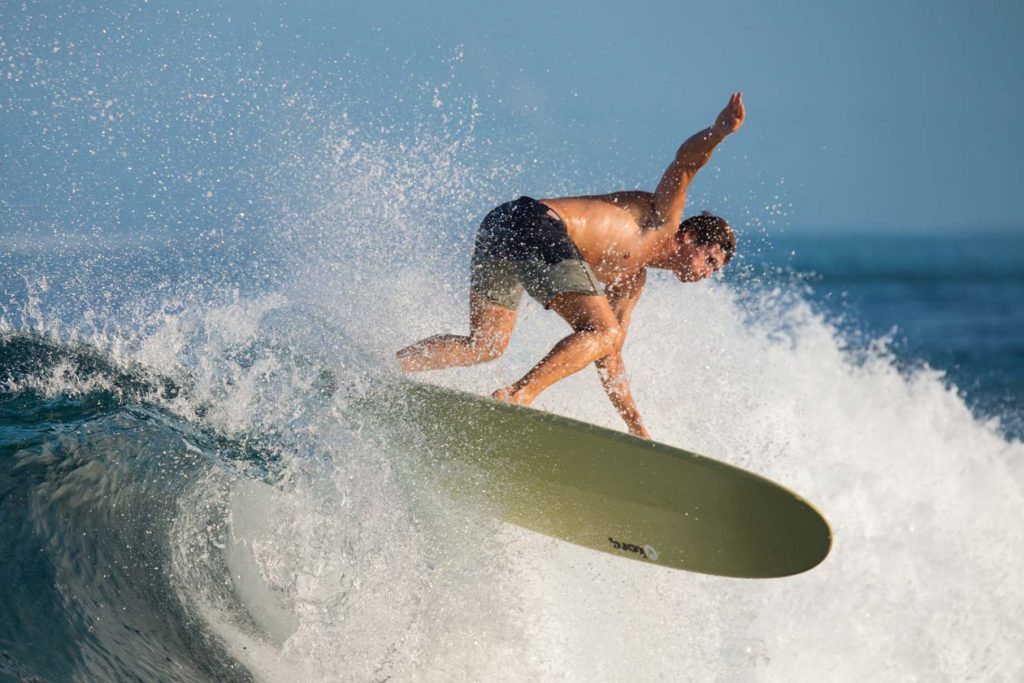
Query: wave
[(152, 530), (196, 504), (91, 483)]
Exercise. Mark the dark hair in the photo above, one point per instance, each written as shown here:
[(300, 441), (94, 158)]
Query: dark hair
[(708, 229)]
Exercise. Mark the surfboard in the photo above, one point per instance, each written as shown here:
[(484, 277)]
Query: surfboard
[(601, 489)]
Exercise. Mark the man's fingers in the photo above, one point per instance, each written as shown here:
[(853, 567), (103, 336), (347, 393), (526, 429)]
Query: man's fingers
[(735, 107)]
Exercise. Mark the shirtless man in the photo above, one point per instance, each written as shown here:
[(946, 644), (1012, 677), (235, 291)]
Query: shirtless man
[(586, 258)]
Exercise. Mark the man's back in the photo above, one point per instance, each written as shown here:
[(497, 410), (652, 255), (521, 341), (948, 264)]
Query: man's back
[(610, 230)]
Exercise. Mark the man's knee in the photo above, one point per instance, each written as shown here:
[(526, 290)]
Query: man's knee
[(488, 348)]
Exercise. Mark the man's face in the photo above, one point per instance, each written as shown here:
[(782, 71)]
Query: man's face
[(695, 262)]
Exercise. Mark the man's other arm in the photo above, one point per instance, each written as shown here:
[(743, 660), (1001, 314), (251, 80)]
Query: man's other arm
[(611, 369)]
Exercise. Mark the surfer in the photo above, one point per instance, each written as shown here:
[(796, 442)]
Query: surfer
[(586, 258)]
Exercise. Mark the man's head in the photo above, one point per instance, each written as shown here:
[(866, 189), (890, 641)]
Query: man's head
[(704, 244)]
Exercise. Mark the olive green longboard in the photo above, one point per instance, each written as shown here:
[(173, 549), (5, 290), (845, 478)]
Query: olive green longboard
[(599, 488)]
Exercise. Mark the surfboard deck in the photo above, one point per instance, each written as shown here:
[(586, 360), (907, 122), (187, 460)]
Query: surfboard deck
[(602, 489)]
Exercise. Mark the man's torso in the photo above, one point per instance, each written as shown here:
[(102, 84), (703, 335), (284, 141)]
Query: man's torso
[(609, 231)]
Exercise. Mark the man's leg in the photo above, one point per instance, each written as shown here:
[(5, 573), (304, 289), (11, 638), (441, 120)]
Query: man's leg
[(595, 335), (490, 327)]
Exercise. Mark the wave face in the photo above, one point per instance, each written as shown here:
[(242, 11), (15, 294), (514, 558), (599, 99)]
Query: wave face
[(92, 484)]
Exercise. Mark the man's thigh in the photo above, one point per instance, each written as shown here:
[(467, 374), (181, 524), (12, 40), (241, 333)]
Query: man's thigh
[(489, 323), (544, 281), (495, 280)]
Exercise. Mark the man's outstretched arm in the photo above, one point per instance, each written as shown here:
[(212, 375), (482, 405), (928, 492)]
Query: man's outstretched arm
[(670, 197)]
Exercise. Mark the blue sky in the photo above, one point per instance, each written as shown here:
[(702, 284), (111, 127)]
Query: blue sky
[(883, 115), (873, 116)]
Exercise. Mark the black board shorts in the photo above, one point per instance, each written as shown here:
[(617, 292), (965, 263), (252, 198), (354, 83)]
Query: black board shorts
[(523, 244)]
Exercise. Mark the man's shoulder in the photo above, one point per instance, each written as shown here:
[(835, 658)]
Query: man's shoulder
[(637, 203), (631, 200), (619, 197)]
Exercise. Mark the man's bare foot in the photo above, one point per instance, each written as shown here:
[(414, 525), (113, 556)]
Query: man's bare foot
[(512, 395)]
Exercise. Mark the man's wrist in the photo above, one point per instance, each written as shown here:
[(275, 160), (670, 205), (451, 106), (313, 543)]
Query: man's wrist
[(718, 133)]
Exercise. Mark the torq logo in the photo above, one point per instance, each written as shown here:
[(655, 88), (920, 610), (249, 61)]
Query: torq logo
[(645, 551)]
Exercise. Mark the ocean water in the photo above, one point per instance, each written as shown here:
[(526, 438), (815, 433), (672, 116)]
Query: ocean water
[(182, 498), (949, 301), (207, 254)]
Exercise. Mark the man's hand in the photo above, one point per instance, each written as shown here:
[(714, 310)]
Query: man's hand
[(640, 431), (731, 118)]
